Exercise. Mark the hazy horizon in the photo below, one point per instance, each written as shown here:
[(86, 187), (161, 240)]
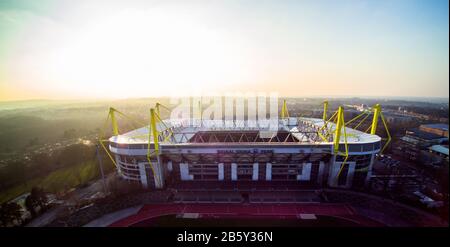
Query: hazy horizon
[(89, 50), (399, 98)]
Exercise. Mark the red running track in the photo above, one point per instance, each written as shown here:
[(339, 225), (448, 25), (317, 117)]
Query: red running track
[(274, 211)]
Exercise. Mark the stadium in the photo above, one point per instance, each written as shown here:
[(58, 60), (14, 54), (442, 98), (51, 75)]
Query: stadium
[(304, 152), (284, 171)]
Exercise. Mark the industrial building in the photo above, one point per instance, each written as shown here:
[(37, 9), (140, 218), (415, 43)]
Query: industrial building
[(417, 140), (438, 129)]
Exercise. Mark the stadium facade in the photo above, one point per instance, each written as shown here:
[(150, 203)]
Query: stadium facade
[(298, 151)]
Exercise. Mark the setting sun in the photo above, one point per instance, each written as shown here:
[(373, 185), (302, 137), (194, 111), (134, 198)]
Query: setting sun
[(158, 53)]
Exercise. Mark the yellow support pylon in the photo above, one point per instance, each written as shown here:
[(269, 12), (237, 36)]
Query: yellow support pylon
[(376, 115), (339, 124), (326, 129), (115, 127), (154, 130), (157, 108), (325, 109), (284, 110), (155, 135), (389, 138)]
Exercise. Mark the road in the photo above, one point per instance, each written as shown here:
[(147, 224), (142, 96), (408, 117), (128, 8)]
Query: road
[(94, 189)]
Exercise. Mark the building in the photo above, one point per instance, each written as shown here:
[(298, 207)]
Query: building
[(210, 151), (417, 140), (436, 155), (438, 129), (441, 150), (393, 118)]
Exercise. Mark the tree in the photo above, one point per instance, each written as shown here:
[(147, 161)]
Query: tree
[(70, 133), (9, 212), (37, 198), (13, 173), (33, 142), (42, 163)]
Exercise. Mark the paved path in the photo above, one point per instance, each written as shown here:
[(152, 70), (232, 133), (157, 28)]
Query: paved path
[(109, 219), (78, 194), (46, 217)]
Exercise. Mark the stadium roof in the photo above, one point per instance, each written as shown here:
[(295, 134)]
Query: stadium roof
[(184, 130)]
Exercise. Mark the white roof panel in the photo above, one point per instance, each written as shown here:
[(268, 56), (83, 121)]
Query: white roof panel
[(184, 129)]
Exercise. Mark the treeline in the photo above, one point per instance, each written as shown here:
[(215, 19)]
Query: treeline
[(18, 133), (39, 165), (29, 127), (433, 112)]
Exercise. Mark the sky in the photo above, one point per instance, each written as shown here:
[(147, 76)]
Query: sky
[(123, 49)]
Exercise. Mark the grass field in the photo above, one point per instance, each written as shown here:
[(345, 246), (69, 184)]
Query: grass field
[(56, 181)]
